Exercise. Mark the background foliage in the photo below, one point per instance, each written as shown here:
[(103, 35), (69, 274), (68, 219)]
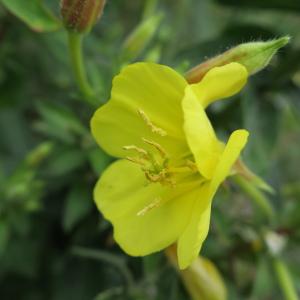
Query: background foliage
[(53, 242)]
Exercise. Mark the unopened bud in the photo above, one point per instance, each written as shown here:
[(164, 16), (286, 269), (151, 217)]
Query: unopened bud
[(201, 279), (254, 56), (138, 40), (81, 15), (241, 168)]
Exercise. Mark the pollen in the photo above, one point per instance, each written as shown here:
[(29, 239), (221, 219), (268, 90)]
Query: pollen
[(148, 122)]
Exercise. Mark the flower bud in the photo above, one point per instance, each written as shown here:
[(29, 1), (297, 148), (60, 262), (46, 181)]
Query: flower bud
[(81, 15), (241, 168), (201, 279), (254, 56), (138, 40)]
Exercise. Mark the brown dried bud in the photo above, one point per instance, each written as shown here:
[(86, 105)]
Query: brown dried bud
[(81, 15)]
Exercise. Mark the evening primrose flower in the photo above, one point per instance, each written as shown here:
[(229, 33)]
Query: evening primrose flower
[(171, 162)]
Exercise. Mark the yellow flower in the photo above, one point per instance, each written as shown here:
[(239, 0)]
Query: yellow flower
[(160, 191)]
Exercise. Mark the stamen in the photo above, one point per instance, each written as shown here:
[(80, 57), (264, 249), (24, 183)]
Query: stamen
[(161, 177), (156, 146), (137, 149), (179, 170), (136, 160), (152, 177), (156, 203), (192, 165), (153, 128)]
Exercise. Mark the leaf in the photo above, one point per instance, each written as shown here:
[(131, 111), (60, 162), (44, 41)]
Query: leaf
[(112, 293), (98, 159), (21, 257), (277, 4), (64, 161), (33, 13), (78, 204), (4, 235), (261, 118), (60, 123), (64, 118), (263, 283)]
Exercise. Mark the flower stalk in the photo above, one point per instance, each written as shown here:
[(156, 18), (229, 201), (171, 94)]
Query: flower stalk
[(76, 55), (79, 17), (284, 279)]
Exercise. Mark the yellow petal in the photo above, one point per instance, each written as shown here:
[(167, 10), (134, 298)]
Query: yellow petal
[(154, 89), (200, 134), (190, 242), (220, 83), (234, 146), (123, 193)]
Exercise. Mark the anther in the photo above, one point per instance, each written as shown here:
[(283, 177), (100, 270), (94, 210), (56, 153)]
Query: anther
[(153, 128), (154, 177), (191, 165), (156, 146), (161, 177), (137, 149), (135, 160), (156, 203)]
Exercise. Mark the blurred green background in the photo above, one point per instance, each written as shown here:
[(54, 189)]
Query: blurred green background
[(54, 244)]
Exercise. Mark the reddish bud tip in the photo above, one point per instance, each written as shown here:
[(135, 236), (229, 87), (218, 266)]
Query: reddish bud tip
[(81, 15)]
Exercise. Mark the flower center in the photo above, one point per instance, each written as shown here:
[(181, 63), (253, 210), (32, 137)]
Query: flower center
[(156, 164)]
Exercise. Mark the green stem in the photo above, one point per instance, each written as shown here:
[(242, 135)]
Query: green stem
[(284, 279), (75, 49), (256, 195)]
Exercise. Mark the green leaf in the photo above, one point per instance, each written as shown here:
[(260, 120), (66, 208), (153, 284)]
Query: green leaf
[(276, 4), (4, 235), (261, 118), (263, 284), (98, 159), (65, 161), (59, 122), (78, 204), (33, 13)]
